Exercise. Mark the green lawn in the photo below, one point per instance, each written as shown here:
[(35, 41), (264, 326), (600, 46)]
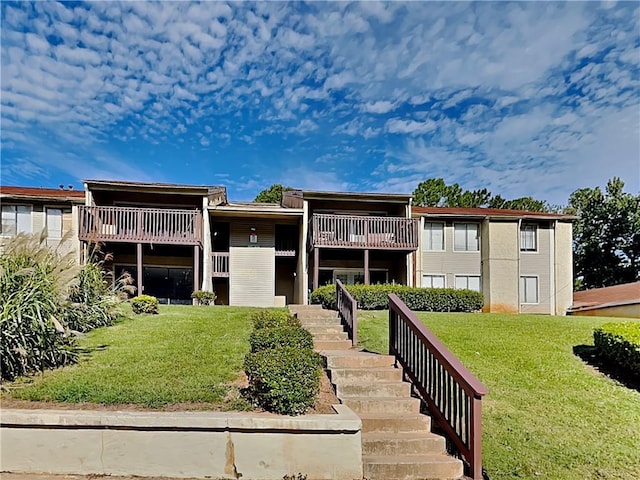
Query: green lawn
[(547, 415), (184, 354)]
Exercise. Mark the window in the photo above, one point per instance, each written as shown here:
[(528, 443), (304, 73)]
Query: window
[(16, 219), (528, 289), (54, 222), (469, 282), (465, 237), (433, 281), (433, 236), (528, 238)]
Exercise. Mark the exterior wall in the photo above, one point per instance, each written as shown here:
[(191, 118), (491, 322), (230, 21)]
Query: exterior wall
[(618, 311), (357, 207), (448, 262), (539, 264), (252, 276), (240, 230), (563, 265), (500, 249), (182, 444)]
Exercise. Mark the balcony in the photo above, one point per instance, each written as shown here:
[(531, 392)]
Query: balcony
[(220, 264), (140, 225), (360, 232)]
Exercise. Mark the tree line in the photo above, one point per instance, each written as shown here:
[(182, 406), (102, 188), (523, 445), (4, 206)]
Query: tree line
[(606, 232)]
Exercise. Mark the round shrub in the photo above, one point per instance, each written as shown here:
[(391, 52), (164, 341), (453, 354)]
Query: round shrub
[(145, 304), (204, 298), (271, 318), (283, 380), (280, 337)]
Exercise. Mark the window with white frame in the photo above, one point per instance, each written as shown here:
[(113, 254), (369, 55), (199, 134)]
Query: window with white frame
[(433, 281), (54, 222), (15, 219), (466, 237), (528, 238), (433, 236), (529, 289), (469, 282)]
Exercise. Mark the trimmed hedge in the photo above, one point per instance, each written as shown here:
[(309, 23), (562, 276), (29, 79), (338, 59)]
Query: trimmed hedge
[(279, 337), (620, 344), (375, 297), (204, 298), (274, 318), (144, 304)]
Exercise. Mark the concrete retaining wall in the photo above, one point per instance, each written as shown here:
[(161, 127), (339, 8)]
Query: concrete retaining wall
[(209, 445)]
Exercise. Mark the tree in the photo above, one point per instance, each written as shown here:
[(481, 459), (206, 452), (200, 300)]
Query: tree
[(606, 236), (434, 192), (273, 194)]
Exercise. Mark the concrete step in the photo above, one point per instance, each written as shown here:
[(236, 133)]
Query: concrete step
[(315, 313), (362, 375), (373, 390), (321, 321), (399, 406), (323, 337), (390, 422), (389, 443), (322, 345), (357, 360), (411, 467), (318, 329)]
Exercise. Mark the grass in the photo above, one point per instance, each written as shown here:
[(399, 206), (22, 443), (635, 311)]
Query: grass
[(548, 415), (186, 354)]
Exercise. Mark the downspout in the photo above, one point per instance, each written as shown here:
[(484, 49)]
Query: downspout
[(411, 268), (206, 247), (304, 281), (552, 269), (518, 264)]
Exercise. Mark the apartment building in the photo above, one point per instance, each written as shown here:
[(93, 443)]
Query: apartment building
[(47, 211), (521, 261)]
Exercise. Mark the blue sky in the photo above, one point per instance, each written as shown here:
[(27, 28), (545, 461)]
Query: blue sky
[(534, 98)]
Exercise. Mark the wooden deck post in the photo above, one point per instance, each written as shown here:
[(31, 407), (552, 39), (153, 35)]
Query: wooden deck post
[(316, 264), (196, 269), (139, 267), (366, 266)]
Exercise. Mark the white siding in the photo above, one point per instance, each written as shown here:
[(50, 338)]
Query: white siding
[(252, 276), (240, 231)]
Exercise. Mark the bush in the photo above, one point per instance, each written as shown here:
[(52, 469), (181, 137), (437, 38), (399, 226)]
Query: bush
[(620, 344), (376, 297), (145, 304), (204, 298), (280, 337), (283, 380), (272, 318)]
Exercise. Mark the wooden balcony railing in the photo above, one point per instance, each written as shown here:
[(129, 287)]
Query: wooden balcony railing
[(348, 311), (352, 231), (286, 246), (140, 225), (220, 264), (452, 393)]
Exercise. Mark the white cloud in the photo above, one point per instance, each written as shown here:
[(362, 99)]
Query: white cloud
[(410, 127)]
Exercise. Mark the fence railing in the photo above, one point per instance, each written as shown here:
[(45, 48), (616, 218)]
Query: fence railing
[(220, 264), (359, 231), (452, 393), (348, 310), (140, 225)]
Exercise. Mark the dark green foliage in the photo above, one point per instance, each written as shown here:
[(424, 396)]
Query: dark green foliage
[(271, 318), (606, 236), (284, 380), (278, 337), (145, 304), (204, 297), (620, 343), (273, 194), (376, 297)]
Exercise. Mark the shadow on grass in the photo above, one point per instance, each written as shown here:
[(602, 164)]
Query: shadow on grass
[(589, 355)]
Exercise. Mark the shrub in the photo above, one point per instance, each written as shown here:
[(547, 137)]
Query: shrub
[(204, 298), (620, 344), (272, 318), (280, 337), (283, 380), (144, 304), (375, 297), (34, 281)]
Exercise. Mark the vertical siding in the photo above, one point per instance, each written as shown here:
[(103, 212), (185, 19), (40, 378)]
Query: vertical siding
[(538, 264), (240, 229), (252, 276)]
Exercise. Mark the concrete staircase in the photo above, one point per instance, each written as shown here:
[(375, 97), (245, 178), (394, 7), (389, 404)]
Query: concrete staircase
[(397, 442)]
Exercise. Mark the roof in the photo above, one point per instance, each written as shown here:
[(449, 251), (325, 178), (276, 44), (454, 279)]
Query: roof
[(36, 193), (371, 196), (167, 187), (255, 209), (489, 213), (625, 294)]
